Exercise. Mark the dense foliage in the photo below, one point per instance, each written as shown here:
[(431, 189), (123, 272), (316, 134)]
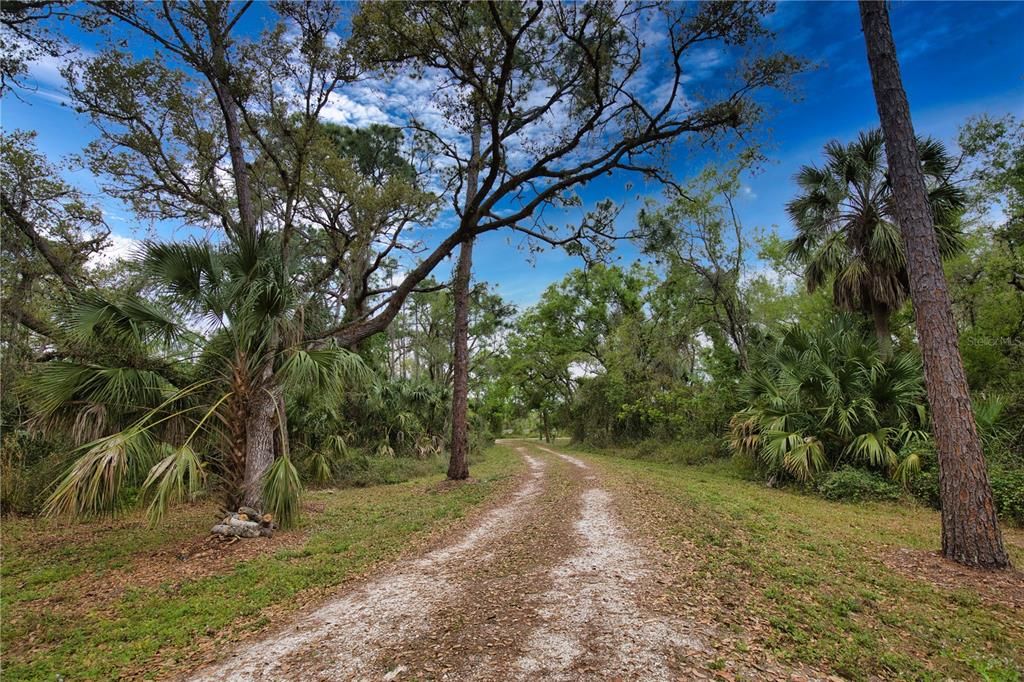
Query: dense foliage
[(699, 354), (815, 399)]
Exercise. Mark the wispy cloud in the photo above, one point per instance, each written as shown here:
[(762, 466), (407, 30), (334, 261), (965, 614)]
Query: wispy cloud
[(118, 248)]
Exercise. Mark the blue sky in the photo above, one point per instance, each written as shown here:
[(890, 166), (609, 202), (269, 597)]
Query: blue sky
[(959, 59)]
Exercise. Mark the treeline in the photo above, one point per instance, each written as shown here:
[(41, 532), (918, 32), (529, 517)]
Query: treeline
[(803, 363), (218, 364)]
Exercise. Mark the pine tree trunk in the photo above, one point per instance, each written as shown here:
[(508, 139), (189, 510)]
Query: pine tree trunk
[(458, 465), (970, 531), (881, 315), (218, 74)]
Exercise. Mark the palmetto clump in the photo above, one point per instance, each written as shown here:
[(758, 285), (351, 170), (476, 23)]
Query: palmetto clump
[(818, 399)]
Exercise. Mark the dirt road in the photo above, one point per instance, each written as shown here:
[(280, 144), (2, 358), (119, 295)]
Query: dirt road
[(548, 584)]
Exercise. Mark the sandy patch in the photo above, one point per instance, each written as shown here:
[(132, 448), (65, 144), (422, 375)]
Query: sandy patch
[(575, 461)]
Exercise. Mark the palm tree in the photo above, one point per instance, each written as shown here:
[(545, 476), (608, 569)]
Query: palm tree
[(847, 230), (172, 393)]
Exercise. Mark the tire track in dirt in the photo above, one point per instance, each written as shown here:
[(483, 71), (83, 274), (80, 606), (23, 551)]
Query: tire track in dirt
[(605, 616), (563, 600), (342, 639), (594, 624), (482, 628), (604, 613)]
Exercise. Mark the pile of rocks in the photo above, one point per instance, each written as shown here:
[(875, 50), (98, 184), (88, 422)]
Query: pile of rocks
[(245, 523)]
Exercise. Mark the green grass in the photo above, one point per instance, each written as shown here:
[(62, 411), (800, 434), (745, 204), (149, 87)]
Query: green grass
[(49, 628), (811, 570)]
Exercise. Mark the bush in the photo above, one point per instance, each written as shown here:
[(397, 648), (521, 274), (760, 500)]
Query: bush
[(857, 485), (746, 466), (29, 465), (685, 451), (823, 395), (360, 470), (1008, 491), (925, 488)]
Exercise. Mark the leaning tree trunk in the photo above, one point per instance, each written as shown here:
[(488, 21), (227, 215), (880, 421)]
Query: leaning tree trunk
[(881, 314), (458, 465), (970, 531)]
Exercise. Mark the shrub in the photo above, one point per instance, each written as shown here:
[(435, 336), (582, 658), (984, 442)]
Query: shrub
[(29, 465), (857, 485), (361, 470), (684, 451), (1008, 493), (925, 488)]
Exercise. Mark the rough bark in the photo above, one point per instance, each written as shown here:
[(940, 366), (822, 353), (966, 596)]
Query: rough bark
[(970, 531), (458, 465), (881, 314), (261, 423)]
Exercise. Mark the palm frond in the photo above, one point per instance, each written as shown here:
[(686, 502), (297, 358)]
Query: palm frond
[(177, 477), (95, 320), (190, 272), (282, 492), (328, 368), (874, 448), (320, 467), (908, 467), (850, 196), (94, 481)]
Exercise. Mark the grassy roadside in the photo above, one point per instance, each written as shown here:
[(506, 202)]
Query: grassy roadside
[(113, 599), (847, 588)]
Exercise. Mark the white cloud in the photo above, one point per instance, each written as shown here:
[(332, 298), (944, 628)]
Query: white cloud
[(46, 70), (118, 248), (344, 110)]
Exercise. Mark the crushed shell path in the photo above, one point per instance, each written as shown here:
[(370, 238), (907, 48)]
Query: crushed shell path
[(581, 593)]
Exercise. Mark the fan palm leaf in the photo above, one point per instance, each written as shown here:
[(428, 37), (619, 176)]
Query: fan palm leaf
[(282, 490), (177, 477), (846, 227), (817, 396), (93, 482)]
